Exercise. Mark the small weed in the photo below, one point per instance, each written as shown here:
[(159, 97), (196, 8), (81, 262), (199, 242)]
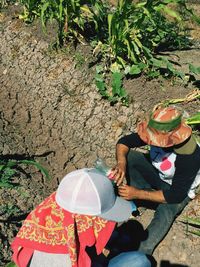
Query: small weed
[(9, 209), (116, 92), (8, 168), (80, 60), (194, 223), (194, 95), (22, 192)]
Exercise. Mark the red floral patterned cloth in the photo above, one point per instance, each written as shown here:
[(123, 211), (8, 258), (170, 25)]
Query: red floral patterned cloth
[(49, 228)]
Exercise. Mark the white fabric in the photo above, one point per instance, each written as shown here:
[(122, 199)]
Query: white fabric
[(195, 184), (165, 164), (43, 259)]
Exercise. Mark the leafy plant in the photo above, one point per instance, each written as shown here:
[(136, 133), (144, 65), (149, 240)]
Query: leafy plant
[(8, 168), (115, 91), (65, 13), (127, 37), (74, 17), (31, 10), (136, 32)]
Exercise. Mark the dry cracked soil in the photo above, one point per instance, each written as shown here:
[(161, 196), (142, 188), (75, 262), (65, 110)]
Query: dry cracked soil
[(50, 111)]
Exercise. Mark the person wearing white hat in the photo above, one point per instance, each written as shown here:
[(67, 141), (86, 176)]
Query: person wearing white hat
[(82, 213)]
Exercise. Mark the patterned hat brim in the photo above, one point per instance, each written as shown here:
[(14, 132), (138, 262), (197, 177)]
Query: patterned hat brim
[(161, 138)]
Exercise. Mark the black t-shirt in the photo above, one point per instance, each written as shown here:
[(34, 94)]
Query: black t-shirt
[(186, 169)]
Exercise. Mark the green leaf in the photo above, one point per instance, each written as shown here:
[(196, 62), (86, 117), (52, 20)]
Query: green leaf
[(115, 67), (142, 66), (99, 68), (195, 232), (43, 10), (37, 165), (123, 93), (147, 52), (134, 70), (170, 67), (121, 61), (193, 69), (1, 167), (11, 264), (99, 77), (157, 63), (110, 17), (195, 119), (172, 13), (153, 74), (5, 185), (116, 83), (100, 84)]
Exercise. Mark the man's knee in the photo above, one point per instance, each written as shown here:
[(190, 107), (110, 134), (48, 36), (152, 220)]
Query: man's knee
[(167, 211), (170, 211)]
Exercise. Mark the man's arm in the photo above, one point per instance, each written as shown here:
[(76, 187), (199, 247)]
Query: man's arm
[(131, 192), (122, 148), (120, 169), (121, 152)]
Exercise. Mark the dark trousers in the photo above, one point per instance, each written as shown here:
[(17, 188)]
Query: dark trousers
[(142, 174)]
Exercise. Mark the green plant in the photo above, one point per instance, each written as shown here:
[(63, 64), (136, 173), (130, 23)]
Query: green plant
[(79, 59), (65, 12), (11, 264), (8, 168), (95, 13), (194, 119), (4, 3), (31, 10), (194, 223), (127, 39), (72, 16), (115, 91), (9, 209), (194, 95), (136, 33)]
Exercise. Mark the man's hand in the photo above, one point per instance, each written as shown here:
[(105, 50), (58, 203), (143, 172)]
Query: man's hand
[(131, 192), (119, 172), (128, 192)]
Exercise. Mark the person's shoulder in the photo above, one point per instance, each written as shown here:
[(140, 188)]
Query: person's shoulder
[(188, 147)]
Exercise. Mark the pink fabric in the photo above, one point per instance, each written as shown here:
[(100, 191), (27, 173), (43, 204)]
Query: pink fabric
[(165, 165)]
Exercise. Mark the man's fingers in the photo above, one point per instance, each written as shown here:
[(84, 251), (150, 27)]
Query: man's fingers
[(120, 180), (122, 189)]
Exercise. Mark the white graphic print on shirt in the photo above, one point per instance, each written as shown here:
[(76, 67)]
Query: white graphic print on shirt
[(164, 162)]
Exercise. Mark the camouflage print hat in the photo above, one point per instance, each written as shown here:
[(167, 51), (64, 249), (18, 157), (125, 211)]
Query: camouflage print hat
[(164, 128)]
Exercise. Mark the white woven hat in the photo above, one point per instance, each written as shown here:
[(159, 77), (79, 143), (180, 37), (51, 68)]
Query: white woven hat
[(89, 192)]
